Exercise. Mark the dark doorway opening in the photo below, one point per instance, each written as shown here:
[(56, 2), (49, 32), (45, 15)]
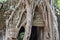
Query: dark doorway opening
[(33, 33), (37, 33), (22, 30), (21, 33)]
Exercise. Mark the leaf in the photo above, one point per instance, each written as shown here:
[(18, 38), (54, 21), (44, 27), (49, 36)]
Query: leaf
[(22, 34)]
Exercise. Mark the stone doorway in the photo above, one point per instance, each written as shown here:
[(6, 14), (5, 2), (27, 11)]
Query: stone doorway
[(37, 33)]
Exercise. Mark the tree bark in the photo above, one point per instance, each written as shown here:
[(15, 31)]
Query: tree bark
[(29, 17)]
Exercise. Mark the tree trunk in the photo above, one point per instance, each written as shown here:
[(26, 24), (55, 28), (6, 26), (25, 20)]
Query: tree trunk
[(29, 17)]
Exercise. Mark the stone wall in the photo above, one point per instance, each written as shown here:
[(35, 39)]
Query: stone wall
[(59, 25)]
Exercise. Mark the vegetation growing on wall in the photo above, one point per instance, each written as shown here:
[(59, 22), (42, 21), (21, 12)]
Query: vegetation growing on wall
[(57, 6)]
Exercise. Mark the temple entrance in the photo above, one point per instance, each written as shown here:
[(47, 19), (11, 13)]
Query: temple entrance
[(37, 33), (34, 33)]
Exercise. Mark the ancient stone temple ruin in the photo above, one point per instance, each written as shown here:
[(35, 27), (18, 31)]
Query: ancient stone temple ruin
[(36, 18)]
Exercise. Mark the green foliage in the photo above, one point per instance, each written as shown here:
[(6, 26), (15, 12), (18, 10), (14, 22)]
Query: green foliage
[(1, 1), (57, 6), (21, 36)]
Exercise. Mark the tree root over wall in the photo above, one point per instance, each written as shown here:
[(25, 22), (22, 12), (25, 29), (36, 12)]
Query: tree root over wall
[(27, 7)]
